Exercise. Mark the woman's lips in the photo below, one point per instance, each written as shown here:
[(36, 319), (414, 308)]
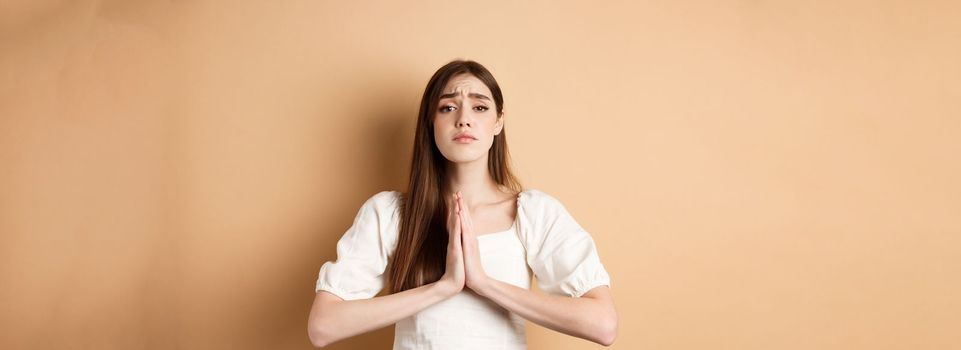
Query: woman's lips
[(464, 137)]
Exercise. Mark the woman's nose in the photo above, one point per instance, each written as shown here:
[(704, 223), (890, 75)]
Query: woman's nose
[(463, 120)]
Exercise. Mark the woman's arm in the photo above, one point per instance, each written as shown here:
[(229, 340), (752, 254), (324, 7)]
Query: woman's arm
[(332, 318), (591, 317)]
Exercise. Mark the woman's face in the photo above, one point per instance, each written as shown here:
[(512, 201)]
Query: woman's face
[(466, 120)]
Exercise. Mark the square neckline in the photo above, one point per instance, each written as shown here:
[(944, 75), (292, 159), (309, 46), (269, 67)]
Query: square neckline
[(517, 214), (511, 229)]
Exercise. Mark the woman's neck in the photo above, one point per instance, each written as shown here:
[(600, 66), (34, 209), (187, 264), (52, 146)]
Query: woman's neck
[(474, 182)]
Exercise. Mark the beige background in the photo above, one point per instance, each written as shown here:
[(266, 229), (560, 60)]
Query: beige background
[(757, 174)]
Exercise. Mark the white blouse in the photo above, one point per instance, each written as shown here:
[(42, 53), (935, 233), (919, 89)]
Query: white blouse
[(544, 240)]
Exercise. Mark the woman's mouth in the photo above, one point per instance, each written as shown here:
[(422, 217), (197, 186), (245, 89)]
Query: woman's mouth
[(464, 138)]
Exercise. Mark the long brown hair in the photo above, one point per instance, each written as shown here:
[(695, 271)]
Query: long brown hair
[(422, 242)]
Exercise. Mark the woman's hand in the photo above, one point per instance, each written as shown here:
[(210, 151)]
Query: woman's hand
[(454, 275), (476, 277)]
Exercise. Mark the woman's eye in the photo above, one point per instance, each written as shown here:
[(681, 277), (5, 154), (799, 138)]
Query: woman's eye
[(446, 109), (481, 108)]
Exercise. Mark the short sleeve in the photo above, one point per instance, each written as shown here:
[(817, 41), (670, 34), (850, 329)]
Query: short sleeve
[(560, 252), (363, 251)]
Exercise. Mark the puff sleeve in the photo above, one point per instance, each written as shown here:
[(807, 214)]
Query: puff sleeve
[(560, 252), (363, 251)]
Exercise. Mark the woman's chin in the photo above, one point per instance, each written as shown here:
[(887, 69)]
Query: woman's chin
[(460, 159)]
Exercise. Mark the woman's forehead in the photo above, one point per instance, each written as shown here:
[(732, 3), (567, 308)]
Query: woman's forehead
[(464, 85)]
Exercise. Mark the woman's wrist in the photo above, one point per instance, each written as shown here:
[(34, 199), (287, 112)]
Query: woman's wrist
[(445, 288), (480, 285)]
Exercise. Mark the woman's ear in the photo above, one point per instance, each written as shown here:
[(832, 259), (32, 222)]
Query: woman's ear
[(499, 125)]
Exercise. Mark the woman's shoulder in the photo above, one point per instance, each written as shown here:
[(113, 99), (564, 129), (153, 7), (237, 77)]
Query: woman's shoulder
[(543, 217), (386, 196), (382, 210), (532, 197), (534, 202), (384, 201)]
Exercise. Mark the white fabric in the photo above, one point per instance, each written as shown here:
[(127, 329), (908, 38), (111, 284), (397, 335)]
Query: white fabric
[(544, 241)]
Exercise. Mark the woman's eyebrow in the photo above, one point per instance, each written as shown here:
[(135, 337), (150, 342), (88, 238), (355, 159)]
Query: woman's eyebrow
[(473, 94)]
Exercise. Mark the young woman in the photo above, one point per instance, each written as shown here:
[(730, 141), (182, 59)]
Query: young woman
[(459, 248)]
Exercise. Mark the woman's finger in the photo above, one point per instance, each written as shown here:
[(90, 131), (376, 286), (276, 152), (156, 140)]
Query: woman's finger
[(455, 238), (458, 232), (465, 219)]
